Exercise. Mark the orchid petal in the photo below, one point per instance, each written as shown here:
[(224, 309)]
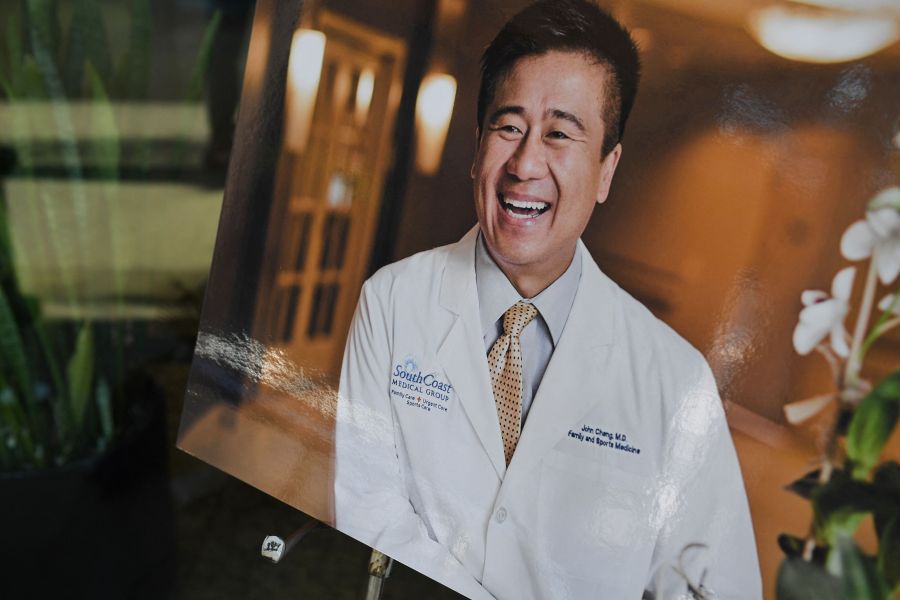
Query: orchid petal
[(839, 340), (810, 297), (888, 261), (886, 302), (885, 222), (797, 412), (806, 337), (886, 198), (823, 314), (842, 284), (858, 241)]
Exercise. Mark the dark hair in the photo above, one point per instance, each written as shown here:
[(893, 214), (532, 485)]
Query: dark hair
[(570, 26)]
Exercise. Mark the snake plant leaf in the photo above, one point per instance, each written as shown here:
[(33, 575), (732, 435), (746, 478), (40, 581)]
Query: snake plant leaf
[(872, 425), (195, 87), (80, 372), (889, 555), (43, 23), (87, 43), (858, 572), (32, 81), (104, 409), (43, 32), (800, 580), (13, 360), (17, 426), (13, 54), (132, 74), (105, 149)]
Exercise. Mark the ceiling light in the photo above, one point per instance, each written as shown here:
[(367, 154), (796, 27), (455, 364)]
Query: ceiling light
[(822, 36)]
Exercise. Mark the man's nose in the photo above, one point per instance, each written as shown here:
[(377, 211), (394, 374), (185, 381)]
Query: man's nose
[(528, 161)]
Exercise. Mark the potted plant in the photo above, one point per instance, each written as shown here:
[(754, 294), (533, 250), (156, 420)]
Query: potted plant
[(851, 480), (83, 483)]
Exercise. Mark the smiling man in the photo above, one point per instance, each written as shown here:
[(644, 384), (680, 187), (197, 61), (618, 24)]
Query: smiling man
[(510, 422)]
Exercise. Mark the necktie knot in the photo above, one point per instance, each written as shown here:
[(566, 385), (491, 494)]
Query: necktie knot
[(517, 317)]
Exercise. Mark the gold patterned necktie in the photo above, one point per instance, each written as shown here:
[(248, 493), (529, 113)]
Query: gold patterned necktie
[(505, 362)]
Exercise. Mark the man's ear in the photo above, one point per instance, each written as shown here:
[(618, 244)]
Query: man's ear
[(607, 170), (475, 155)]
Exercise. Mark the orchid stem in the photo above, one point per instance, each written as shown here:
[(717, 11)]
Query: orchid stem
[(854, 363), (881, 326)]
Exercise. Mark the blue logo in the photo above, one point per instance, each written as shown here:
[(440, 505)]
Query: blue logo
[(410, 365)]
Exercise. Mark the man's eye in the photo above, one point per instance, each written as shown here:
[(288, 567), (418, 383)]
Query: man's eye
[(508, 129), (557, 135)]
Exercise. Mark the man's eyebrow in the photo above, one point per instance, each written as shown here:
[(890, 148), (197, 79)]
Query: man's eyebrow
[(567, 116), (509, 109), (556, 113)]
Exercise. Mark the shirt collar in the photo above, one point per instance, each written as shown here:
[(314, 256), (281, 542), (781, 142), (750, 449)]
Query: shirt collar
[(496, 294)]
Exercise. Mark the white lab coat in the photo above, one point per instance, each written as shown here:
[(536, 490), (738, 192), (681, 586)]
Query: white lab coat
[(625, 457)]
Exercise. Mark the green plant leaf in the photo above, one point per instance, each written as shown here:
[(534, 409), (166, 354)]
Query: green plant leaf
[(800, 580), (792, 545), (32, 81), (14, 53), (13, 360), (105, 410), (133, 72), (805, 486), (195, 88), (80, 372), (105, 149), (860, 579), (87, 43), (43, 30), (889, 554), (886, 482), (840, 506), (43, 22), (872, 425)]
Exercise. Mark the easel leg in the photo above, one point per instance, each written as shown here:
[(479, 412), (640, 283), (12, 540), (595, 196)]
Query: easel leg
[(379, 570)]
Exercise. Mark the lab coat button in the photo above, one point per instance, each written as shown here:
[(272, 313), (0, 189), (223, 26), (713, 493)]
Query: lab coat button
[(501, 514)]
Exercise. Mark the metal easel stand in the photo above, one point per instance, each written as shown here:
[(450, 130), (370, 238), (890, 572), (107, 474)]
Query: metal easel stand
[(379, 570), (274, 548)]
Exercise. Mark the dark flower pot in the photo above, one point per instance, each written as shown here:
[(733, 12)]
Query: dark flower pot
[(98, 528)]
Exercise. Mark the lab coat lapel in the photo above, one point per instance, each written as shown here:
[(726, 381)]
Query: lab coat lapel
[(576, 375), (462, 354)]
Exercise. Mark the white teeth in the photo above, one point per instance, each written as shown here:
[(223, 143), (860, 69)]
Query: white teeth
[(526, 205)]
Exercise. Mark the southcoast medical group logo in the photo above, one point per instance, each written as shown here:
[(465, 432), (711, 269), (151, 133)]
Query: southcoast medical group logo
[(425, 391)]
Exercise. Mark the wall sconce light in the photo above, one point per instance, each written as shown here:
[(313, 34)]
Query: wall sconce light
[(364, 90), (820, 35), (304, 72), (434, 106)]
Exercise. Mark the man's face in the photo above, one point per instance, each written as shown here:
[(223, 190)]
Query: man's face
[(538, 169)]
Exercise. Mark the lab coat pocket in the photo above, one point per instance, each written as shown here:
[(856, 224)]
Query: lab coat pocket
[(595, 516)]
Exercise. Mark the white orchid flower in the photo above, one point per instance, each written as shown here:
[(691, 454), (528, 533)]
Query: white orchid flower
[(886, 303), (824, 315), (879, 230)]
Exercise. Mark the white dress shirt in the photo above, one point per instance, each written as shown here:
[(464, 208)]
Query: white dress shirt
[(496, 295)]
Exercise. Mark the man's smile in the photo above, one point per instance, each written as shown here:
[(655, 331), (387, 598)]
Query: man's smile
[(519, 206)]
